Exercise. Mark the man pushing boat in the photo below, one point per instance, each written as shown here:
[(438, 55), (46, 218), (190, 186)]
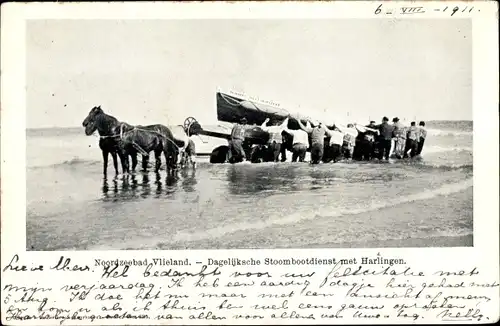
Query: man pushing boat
[(275, 137), (236, 151), (318, 134), (300, 143)]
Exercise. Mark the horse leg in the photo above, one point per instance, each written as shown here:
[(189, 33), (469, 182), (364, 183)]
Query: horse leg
[(122, 153), (158, 160), (145, 160), (105, 163), (126, 162), (134, 161), (173, 160), (115, 161)]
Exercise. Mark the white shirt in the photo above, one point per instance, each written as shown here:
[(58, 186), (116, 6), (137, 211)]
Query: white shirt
[(299, 136), (423, 132), (337, 137), (352, 131)]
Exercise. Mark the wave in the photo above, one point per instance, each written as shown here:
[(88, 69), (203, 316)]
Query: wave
[(75, 161), (448, 167), (327, 212), (439, 149), (444, 132)]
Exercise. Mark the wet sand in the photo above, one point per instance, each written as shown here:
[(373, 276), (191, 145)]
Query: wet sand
[(323, 232)]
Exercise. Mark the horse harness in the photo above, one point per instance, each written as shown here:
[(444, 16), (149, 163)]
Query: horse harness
[(137, 146)]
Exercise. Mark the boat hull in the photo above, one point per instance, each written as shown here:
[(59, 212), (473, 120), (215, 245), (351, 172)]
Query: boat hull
[(231, 108)]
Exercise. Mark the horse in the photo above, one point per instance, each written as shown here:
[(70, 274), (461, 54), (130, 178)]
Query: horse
[(143, 140), (105, 126)]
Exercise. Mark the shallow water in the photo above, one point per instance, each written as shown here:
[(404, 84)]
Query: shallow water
[(70, 206)]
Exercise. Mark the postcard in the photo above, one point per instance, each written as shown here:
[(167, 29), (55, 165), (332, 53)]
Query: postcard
[(249, 163)]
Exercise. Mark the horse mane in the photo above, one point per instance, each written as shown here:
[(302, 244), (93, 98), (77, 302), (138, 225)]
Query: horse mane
[(106, 123)]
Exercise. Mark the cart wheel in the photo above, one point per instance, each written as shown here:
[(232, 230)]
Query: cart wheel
[(188, 123)]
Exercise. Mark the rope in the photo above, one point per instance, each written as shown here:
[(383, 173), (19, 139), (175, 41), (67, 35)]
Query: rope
[(158, 133), (204, 142), (136, 146), (230, 101), (139, 149)]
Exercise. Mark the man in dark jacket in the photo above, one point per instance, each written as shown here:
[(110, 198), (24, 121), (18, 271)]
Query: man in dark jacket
[(366, 141), (385, 130)]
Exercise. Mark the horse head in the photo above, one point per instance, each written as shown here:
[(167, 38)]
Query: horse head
[(90, 122)]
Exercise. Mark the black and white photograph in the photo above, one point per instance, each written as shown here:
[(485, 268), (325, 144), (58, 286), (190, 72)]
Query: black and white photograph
[(174, 134)]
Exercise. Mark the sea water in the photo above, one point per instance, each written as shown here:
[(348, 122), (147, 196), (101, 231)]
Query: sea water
[(408, 203)]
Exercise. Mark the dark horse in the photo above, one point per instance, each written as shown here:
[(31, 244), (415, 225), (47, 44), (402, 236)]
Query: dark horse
[(121, 139), (143, 140), (108, 142)]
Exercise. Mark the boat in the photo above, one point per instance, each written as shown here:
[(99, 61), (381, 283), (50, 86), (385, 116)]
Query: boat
[(232, 106)]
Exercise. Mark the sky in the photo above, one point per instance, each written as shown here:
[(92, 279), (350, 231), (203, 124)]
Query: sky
[(162, 71)]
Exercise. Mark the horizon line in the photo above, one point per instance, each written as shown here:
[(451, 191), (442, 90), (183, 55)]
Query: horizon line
[(210, 124)]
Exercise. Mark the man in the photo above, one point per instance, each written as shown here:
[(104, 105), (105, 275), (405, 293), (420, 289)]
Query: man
[(275, 137), (385, 130), (399, 134), (236, 144), (300, 142), (336, 142), (372, 136), (369, 140), (423, 135), (349, 141), (412, 138), (189, 155), (365, 141), (318, 134)]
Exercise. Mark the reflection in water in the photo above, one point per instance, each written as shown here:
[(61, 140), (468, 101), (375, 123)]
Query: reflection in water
[(105, 188), (189, 180), (171, 182), (146, 188), (243, 180), (158, 185), (136, 186)]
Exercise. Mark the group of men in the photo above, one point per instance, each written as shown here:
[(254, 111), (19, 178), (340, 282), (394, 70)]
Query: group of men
[(326, 145), (406, 141)]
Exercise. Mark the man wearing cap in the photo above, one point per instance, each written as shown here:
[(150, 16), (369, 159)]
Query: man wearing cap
[(369, 140), (399, 134), (364, 141), (275, 137), (236, 144), (385, 130)]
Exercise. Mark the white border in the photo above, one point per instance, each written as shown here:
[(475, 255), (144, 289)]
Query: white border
[(485, 252)]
